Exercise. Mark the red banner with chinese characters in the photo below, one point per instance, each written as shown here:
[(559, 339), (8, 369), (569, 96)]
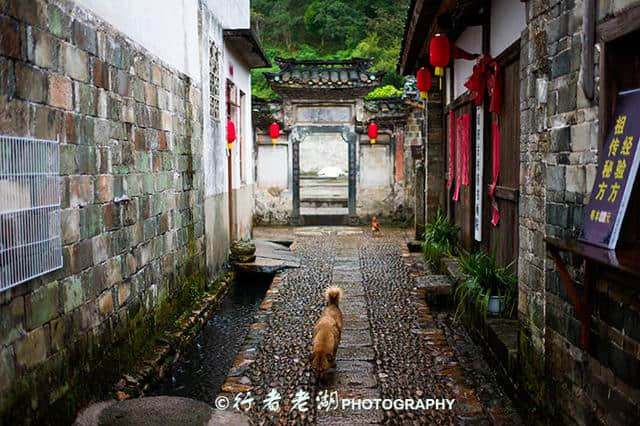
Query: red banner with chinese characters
[(462, 153), (617, 170)]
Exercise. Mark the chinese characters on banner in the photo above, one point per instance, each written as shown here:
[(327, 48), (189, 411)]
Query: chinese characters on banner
[(617, 169)]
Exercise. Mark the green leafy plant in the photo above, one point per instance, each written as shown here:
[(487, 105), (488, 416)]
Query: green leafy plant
[(485, 279), (384, 92), (440, 239)]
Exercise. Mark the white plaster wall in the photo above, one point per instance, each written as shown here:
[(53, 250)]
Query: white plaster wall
[(471, 41), (167, 28), (319, 150), (233, 14), (507, 22), (273, 166), (242, 79), (376, 166)]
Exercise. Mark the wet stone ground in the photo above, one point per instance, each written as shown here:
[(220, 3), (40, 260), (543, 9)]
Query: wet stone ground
[(392, 346)]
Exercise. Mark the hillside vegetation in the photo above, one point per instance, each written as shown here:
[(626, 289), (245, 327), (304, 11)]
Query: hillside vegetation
[(330, 29)]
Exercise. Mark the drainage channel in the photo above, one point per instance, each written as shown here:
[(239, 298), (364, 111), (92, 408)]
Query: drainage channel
[(201, 368)]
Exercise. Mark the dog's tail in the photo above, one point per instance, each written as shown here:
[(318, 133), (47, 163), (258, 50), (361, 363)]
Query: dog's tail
[(333, 295)]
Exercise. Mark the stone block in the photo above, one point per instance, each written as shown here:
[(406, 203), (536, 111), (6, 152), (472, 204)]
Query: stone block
[(60, 329), (150, 94), (567, 97), (31, 83), (46, 123), (120, 82), (58, 22), (166, 121), (114, 107), (576, 179), (7, 78), (102, 104), (68, 165), (7, 368), (76, 63), (86, 99), (112, 220), (42, 305), (561, 64), (80, 190), (85, 37), (90, 221), (581, 137), (32, 349), (105, 303), (100, 246), (70, 224), (80, 256), (100, 74), (11, 40), (30, 11), (60, 92), (130, 212), (87, 159), (113, 271), (12, 321), (45, 50), (73, 293), (104, 188)]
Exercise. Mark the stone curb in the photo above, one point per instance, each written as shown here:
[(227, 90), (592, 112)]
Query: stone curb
[(172, 342), (467, 402)]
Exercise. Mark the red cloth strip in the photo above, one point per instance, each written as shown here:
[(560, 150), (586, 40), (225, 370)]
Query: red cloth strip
[(451, 148), (466, 121), (495, 216), (456, 193)]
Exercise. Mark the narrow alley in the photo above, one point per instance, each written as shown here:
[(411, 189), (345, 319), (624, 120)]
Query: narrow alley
[(188, 187), (392, 347)]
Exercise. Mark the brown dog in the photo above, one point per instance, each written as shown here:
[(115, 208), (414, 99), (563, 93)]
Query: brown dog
[(326, 333)]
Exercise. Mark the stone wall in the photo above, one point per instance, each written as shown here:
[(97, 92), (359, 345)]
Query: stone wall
[(559, 142), (132, 203)]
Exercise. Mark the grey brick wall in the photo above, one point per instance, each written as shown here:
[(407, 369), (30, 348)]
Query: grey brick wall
[(132, 224), (559, 139)]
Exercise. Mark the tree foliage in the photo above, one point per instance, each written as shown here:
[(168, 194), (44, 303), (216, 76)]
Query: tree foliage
[(330, 29)]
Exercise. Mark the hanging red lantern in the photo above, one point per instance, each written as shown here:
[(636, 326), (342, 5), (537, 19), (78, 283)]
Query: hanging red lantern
[(372, 130), (423, 81), (231, 134), (439, 54), (274, 132)]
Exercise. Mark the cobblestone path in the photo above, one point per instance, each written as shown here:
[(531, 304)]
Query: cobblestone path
[(390, 347)]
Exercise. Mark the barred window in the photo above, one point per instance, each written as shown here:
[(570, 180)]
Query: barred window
[(214, 82), (30, 243)]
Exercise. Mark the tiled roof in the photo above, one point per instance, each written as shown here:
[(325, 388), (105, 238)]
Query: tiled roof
[(323, 79), (393, 108)]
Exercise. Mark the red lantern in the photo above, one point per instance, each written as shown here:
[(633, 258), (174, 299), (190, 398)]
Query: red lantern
[(231, 134), (274, 132), (372, 130), (439, 54), (423, 81)]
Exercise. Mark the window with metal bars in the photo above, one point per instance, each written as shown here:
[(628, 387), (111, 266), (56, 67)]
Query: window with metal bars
[(30, 242)]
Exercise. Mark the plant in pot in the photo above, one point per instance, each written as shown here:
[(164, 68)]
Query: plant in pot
[(440, 239), (492, 287)]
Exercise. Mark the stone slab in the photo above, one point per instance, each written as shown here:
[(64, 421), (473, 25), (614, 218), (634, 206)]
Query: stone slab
[(270, 258), (353, 338), (364, 353)]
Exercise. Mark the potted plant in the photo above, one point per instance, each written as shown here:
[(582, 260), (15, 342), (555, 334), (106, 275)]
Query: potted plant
[(440, 239), (492, 287)]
